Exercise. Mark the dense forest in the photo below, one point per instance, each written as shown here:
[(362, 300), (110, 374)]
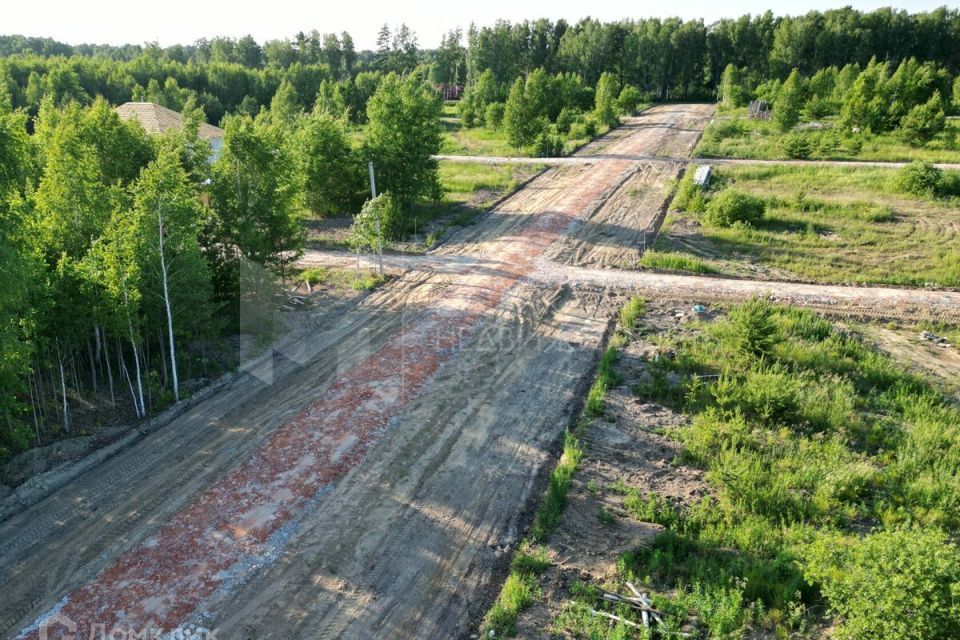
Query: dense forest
[(124, 255), (665, 59)]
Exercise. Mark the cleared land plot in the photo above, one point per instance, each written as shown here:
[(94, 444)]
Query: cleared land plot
[(750, 492), (467, 189), (823, 224), (762, 140)]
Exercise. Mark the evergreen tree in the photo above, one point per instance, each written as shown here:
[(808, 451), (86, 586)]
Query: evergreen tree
[(790, 100), (924, 121)]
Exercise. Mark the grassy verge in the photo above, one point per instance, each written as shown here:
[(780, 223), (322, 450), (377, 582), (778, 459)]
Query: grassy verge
[(341, 278), (834, 475), (833, 225), (755, 139), (674, 261), (520, 589)]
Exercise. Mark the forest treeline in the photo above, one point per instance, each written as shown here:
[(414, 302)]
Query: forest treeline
[(663, 58), (126, 257)]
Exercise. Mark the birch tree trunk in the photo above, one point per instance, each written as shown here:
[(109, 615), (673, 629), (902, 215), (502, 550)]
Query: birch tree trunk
[(166, 304), (63, 391), (106, 354), (124, 373), (142, 409)]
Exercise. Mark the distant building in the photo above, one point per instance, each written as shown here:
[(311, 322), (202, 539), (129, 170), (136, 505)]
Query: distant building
[(156, 119)]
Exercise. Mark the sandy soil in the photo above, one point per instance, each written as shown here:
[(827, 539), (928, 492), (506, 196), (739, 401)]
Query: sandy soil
[(910, 305), (629, 446), (367, 480)]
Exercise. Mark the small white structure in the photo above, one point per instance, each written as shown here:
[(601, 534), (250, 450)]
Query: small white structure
[(156, 119), (702, 176)]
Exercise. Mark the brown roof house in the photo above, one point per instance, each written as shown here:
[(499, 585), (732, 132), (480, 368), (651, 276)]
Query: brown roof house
[(156, 119)]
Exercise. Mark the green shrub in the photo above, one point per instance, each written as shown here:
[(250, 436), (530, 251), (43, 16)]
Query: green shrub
[(721, 129), (923, 122), (854, 145), (590, 126), (366, 281), (798, 146), (629, 99), (733, 206), (548, 145), (893, 584), (565, 120), (631, 312), (493, 117), (919, 178), (314, 275), (753, 328), (689, 196)]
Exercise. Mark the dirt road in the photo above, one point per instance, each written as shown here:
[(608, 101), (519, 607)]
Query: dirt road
[(879, 302), (367, 480)]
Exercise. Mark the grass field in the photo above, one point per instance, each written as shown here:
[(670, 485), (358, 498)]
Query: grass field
[(483, 141), (830, 473), (823, 224), (830, 466), (474, 141), (743, 138)]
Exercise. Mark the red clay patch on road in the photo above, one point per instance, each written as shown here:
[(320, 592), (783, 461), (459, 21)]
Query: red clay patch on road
[(164, 581)]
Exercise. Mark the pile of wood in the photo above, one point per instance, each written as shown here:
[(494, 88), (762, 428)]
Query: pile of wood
[(639, 601), (759, 110)]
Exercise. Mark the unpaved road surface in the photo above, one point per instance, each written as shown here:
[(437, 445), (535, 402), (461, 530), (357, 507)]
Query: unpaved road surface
[(367, 480), (876, 302)]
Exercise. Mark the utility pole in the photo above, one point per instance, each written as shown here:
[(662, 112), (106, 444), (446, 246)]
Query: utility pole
[(373, 192)]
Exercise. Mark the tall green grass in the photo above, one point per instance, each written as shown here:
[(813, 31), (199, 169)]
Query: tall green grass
[(835, 225), (674, 261), (753, 139), (824, 458)]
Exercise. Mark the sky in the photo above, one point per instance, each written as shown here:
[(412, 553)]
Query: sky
[(184, 21)]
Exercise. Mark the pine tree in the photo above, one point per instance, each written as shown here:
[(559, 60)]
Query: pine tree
[(790, 100)]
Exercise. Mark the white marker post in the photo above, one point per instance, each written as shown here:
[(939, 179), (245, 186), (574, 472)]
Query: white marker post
[(373, 191)]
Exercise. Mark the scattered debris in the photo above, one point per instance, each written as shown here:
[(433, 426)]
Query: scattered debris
[(699, 309), (759, 110), (940, 341)]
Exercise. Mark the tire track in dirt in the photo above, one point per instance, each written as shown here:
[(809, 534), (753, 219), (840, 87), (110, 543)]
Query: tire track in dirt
[(207, 552)]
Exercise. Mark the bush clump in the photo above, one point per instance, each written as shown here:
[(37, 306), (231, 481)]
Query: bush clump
[(732, 206), (690, 196), (920, 179), (493, 117), (893, 584), (798, 146)]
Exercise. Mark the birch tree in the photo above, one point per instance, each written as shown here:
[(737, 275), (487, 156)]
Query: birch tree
[(168, 216)]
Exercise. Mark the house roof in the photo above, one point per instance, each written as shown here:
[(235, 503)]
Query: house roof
[(156, 119)]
